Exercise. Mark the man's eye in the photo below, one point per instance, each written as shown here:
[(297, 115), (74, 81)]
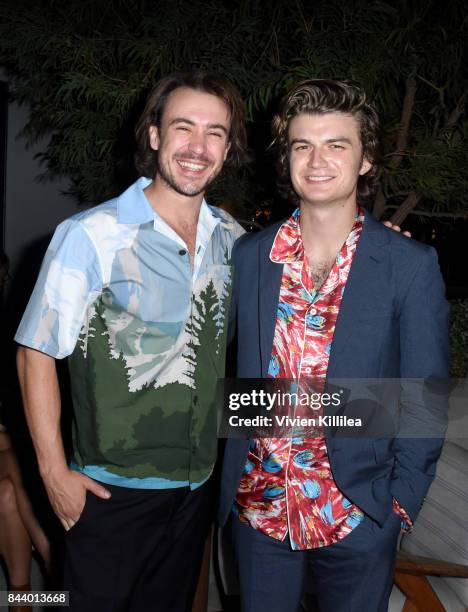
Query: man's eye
[(182, 128), (336, 146), (217, 134), (301, 148)]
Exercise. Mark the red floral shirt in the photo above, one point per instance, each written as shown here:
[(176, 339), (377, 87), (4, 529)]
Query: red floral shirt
[(287, 486)]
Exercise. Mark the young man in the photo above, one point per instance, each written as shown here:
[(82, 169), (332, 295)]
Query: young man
[(135, 293), (338, 295)]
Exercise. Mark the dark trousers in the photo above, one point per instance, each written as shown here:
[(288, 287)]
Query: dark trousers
[(139, 550), (352, 575)]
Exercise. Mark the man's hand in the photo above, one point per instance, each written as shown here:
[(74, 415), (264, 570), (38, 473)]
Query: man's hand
[(396, 228), (67, 494)]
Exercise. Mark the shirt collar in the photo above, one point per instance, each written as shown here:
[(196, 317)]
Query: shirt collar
[(207, 222), (287, 246), (133, 207)]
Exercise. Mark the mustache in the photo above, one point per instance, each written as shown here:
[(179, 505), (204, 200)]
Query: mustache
[(189, 156)]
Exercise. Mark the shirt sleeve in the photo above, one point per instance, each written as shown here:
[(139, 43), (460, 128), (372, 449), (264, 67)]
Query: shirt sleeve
[(69, 281)]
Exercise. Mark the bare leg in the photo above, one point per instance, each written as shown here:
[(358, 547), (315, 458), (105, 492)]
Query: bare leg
[(9, 468), (35, 531), (15, 544)]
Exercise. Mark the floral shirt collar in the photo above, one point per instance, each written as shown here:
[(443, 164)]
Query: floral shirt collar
[(288, 247)]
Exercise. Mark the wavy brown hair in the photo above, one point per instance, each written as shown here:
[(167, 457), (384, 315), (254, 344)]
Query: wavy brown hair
[(320, 96), (208, 82)]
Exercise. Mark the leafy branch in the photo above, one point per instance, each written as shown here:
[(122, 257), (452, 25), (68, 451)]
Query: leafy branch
[(84, 68)]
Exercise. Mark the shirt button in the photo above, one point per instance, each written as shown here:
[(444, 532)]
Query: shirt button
[(182, 252), (312, 311)]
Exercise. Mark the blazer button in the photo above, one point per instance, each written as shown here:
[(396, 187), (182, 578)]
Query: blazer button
[(182, 252)]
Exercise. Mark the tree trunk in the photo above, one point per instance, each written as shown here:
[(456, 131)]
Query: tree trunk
[(405, 208), (379, 204), (401, 142), (406, 114)]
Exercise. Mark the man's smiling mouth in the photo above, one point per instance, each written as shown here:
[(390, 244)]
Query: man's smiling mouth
[(192, 165), (319, 179)]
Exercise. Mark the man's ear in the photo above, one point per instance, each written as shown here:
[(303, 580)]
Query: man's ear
[(366, 165), (154, 137)]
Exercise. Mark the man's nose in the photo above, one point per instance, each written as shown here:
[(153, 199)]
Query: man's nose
[(197, 142), (316, 158)]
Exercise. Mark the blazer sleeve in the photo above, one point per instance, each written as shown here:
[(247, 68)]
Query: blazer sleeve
[(424, 371)]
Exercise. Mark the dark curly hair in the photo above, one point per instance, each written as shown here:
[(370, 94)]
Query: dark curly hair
[(208, 82), (319, 96)]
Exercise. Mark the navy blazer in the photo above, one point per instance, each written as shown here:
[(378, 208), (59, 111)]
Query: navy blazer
[(393, 323)]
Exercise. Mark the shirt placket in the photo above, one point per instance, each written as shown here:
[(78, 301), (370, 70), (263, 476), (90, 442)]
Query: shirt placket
[(193, 392), (290, 480)]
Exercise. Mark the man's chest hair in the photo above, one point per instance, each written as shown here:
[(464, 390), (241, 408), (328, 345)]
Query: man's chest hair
[(320, 270)]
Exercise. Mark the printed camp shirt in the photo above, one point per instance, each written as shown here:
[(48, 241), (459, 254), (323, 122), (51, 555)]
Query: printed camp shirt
[(287, 487), (144, 329)]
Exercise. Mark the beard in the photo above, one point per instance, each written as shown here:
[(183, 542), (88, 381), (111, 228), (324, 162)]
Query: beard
[(189, 188)]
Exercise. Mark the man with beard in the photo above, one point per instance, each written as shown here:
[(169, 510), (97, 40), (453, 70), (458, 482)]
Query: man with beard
[(135, 293)]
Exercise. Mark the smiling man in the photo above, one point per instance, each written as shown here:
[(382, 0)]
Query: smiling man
[(134, 292), (331, 293)]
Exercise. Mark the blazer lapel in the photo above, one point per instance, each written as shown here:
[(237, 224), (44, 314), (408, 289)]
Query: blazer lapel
[(268, 287), (362, 287)]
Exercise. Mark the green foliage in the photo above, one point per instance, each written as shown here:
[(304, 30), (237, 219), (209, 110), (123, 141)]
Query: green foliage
[(85, 67)]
